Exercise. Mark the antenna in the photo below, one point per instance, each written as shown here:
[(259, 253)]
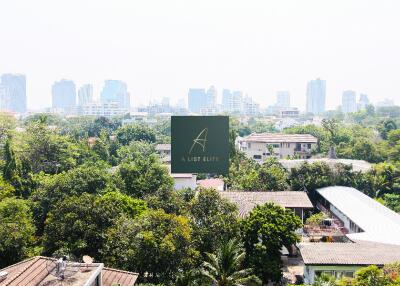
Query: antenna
[(87, 260), (61, 267)]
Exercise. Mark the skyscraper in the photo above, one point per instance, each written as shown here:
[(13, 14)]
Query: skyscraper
[(116, 91), (232, 101), (63, 94), (283, 98), (196, 99), (85, 94), (211, 100), (14, 92), (349, 103), (316, 93), (363, 102)]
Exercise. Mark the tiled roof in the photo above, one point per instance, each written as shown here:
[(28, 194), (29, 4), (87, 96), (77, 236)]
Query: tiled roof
[(360, 253), (33, 272), (211, 183), (281, 138), (246, 201)]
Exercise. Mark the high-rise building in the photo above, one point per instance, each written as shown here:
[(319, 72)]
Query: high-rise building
[(197, 99), (232, 101), (316, 93), (349, 101), (85, 94), (363, 102), (283, 99), (165, 102), (250, 107), (3, 98), (14, 92), (116, 91), (211, 100), (63, 94)]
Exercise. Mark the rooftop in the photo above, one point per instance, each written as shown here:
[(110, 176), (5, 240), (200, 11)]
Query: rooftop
[(34, 272), (281, 138), (163, 147), (211, 183), (362, 253), (379, 223), (358, 165), (246, 201)]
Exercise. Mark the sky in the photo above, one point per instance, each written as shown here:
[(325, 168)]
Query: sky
[(164, 47)]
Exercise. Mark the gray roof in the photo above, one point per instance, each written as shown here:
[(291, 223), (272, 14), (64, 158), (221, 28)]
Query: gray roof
[(379, 224), (360, 253), (246, 201), (278, 138), (358, 165)]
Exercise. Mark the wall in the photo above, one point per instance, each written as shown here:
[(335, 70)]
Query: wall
[(309, 270)]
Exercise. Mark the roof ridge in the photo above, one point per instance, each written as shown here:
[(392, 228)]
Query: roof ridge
[(119, 270)]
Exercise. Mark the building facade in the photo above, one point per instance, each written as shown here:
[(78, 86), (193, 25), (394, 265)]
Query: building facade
[(63, 95), (196, 99), (13, 93), (363, 102), (261, 146), (283, 99), (102, 109), (315, 97), (115, 91), (349, 101), (85, 94)]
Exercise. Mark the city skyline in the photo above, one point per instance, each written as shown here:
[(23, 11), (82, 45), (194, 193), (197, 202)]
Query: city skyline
[(259, 48)]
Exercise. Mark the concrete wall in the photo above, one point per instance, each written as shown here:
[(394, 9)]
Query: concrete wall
[(182, 183)]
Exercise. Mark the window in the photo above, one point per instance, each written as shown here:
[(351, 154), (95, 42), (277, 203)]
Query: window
[(309, 145), (257, 157)]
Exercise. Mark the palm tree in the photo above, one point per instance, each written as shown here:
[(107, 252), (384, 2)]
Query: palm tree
[(224, 268)]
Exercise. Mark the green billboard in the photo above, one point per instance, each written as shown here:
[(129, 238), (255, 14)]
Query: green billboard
[(200, 144)]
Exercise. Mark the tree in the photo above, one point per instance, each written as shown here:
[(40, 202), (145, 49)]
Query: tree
[(370, 276), (135, 132), (6, 189), (155, 243), (78, 223), (214, 220), (16, 231), (311, 176), (225, 268), (265, 231), (93, 179), (145, 176), (11, 169)]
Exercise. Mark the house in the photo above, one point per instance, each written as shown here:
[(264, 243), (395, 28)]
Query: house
[(246, 201), (184, 181), (39, 271), (363, 217), (344, 259), (164, 150), (260, 146), (214, 183)]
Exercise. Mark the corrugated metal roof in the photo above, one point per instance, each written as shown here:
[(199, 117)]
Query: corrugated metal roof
[(379, 223), (361, 253), (358, 165), (246, 201), (281, 138), (33, 272)]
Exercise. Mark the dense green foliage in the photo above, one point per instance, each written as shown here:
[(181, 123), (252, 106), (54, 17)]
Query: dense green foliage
[(90, 186)]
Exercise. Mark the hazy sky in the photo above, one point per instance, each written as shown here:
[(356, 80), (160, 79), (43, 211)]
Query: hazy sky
[(161, 48)]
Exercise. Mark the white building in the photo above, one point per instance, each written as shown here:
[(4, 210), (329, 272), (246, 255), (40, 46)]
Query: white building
[(184, 181), (85, 94), (365, 218), (102, 109), (260, 146), (292, 112), (349, 101), (363, 102)]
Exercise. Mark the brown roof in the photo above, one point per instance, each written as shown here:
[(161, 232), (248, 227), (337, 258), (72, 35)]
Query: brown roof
[(33, 272), (359, 253), (281, 138), (246, 201)]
